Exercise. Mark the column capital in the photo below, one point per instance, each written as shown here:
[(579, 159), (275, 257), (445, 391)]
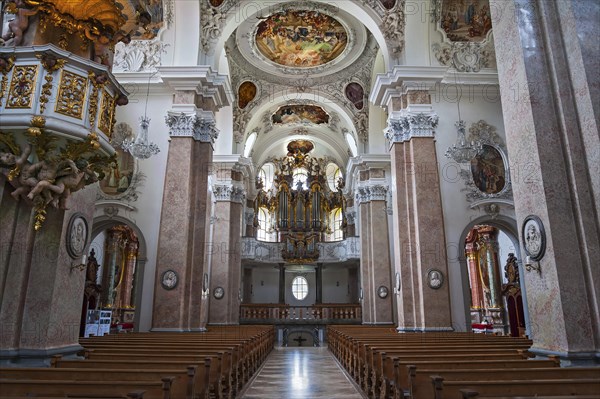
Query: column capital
[(366, 194), (226, 192), (403, 126), (199, 124)]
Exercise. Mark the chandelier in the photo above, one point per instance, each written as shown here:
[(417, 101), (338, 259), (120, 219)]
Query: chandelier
[(463, 151), (141, 148)]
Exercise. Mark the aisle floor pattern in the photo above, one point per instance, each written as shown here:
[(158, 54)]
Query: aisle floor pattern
[(301, 373)]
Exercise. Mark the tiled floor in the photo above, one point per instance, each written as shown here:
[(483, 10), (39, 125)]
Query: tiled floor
[(301, 373)]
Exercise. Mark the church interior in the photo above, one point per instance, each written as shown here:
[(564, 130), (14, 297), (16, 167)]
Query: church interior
[(300, 199)]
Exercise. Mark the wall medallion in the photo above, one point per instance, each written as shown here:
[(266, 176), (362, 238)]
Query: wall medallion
[(435, 279), (382, 291), (218, 293), (534, 237), (169, 279), (77, 236)]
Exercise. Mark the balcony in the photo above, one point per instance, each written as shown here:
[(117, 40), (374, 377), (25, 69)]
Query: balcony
[(333, 313), (329, 252)]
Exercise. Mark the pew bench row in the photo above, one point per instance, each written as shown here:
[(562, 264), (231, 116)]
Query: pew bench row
[(386, 364)]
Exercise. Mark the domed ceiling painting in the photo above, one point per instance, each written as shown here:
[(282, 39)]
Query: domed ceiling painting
[(308, 114), (301, 39)]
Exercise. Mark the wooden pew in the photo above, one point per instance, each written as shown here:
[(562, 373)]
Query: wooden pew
[(70, 388), (420, 381), (470, 394), (204, 381), (130, 395), (451, 389)]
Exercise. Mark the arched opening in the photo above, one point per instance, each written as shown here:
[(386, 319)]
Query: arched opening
[(114, 278), (492, 268)]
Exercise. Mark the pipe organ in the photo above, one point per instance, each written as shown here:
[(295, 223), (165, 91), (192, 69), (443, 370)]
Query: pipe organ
[(300, 202)]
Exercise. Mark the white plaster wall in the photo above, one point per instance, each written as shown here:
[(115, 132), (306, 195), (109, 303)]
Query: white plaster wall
[(265, 285), (377, 116), (147, 209), (474, 106), (416, 33), (335, 285)]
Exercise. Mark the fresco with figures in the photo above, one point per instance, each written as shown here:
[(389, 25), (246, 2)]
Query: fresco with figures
[(308, 114), (466, 20), (488, 171), (118, 177), (301, 39)]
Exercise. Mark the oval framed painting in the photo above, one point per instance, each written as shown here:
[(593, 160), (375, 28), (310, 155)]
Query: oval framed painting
[(489, 170)]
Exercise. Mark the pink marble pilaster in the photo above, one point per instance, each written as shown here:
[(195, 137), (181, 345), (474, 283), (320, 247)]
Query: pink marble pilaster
[(183, 235), (226, 263), (552, 141)]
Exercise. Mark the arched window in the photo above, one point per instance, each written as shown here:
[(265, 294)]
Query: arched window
[(265, 230), (300, 175), (334, 173), (266, 174), (335, 223), (299, 287), (249, 144), (352, 144)]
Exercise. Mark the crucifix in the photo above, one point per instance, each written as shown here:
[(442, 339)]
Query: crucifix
[(299, 340)]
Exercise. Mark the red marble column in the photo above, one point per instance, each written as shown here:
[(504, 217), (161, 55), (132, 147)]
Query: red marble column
[(474, 274), (183, 235)]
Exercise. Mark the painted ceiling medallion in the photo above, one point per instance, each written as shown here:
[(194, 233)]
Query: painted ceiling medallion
[(246, 93), (301, 39), (306, 114), (300, 147), (466, 21)]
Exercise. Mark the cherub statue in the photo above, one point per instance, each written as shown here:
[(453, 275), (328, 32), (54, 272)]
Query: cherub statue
[(57, 181), (18, 26), (12, 165)]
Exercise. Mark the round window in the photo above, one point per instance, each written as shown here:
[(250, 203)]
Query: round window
[(299, 287)]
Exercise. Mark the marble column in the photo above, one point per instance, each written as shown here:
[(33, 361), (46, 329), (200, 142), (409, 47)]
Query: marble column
[(375, 264), (420, 243), (226, 263), (184, 226), (42, 294), (474, 275), (547, 68)]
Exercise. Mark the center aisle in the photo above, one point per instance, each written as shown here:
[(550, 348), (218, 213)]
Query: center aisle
[(301, 373)]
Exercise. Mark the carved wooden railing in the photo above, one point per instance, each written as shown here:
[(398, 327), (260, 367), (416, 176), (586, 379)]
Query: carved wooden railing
[(316, 314)]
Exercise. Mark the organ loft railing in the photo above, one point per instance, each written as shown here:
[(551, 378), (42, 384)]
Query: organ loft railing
[(300, 203)]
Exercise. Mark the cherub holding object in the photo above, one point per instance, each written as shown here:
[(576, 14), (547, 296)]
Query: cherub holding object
[(18, 26)]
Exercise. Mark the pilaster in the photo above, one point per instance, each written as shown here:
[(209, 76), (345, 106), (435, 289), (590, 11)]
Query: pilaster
[(551, 123), (184, 244), (375, 264), (419, 239)]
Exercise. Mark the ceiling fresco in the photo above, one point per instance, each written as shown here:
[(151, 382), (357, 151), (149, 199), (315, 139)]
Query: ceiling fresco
[(301, 39), (300, 114)]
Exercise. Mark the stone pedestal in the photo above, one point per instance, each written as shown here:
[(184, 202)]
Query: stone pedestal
[(41, 297), (547, 67)]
